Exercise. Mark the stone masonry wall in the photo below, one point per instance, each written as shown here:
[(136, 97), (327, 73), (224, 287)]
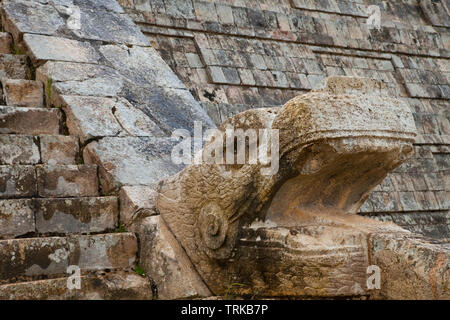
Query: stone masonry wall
[(88, 109), (233, 55)]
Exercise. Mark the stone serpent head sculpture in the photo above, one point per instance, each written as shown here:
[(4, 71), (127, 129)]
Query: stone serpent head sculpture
[(283, 233)]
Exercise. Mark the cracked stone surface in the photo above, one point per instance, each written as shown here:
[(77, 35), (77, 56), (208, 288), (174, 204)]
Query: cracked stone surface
[(31, 121), (78, 215), (153, 154), (44, 48), (17, 217), (18, 149), (61, 181), (52, 256), (23, 93)]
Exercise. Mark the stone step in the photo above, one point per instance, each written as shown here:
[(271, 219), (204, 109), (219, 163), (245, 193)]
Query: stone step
[(6, 43), (20, 217), (48, 181), (76, 215), (13, 66), (23, 93), (111, 286), (16, 218), (34, 257), (61, 181), (17, 181), (24, 149), (19, 149), (32, 121), (59, 149)]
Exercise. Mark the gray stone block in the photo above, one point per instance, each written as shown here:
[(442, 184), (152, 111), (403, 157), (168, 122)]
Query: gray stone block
[(16, 217), (52, 256), (23, 16), (116, 170), (76, 215), (142, 66), (17, 182), (18, 149), (43, 48), (90, 117), (32, 121), (106, 25), (59, 149), (59, 181), (13, 66)]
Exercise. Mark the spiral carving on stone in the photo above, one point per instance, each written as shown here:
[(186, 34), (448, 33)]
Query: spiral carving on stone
[(213, 226)]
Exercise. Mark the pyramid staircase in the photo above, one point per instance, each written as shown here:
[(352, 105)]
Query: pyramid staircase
[(56, 228)]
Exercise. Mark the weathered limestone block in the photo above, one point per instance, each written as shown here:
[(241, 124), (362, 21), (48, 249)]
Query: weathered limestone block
[(90, 117), (412, 267), (141, 65), (136, 203), (21, 17), (136, 122), (105, 251), (78, 79), (17, 181), (13, 66), (33, 256), (108, 5), (115, 170), (23, 93), (5, 42), (165, 261), (59, 149), (430, 224), (292, 229), (32, 121), (112, 286), (59, 181), (43, 48), (52, 256), (18, 149), (436, 12), (76, 215), (16, 217), (60, 71), (93, 117), (173, 108), (98, 23)]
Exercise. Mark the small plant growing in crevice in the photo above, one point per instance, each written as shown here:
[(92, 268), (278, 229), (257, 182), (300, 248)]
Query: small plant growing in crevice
[(140, 270), (228, 295), (48, 90), (120, 229), (17, 50)]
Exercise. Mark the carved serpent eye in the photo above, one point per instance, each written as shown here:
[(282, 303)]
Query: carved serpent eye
[(213, 226)]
